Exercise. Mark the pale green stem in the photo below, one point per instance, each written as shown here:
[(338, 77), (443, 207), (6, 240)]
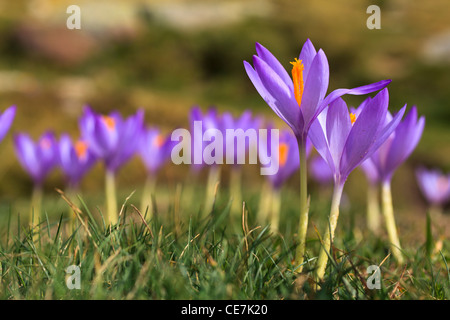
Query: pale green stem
[(147, 193), (304, 208), (236, 190), (329, 234), (35, 205), (265, 202), (111, 200), (373, 208), (435, 210), (213, 180), (71, 194), (275, 210), (388, 212)]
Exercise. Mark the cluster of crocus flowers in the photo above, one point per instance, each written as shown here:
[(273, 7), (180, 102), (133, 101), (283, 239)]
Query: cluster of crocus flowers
[(385, 161), (435, 187), (154, 150), (113, 140), (203, 127), (298, 101)]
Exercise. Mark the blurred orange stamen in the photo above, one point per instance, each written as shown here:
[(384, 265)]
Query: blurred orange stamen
[(283, 153), (81, 149), (109, 122)]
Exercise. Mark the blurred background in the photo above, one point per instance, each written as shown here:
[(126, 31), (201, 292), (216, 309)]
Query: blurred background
[(167, 56)]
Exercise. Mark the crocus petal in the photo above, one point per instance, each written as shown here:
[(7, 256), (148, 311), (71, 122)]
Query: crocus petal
[(26, 154), (273, 62), (316, 86), (407, 136), (283, 96), (338, 126), (386, 131), (307, 55), (364, 133), (6, 120), (318, 138), (355, 91)]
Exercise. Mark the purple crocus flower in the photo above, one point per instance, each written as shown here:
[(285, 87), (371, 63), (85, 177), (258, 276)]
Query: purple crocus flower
[(434, 185), (39, 158), (397, 147), (298, 101), (114, 140), (345, 140), (111, 137), (6, 120), (75, 159), (154, 149), (391, 154)]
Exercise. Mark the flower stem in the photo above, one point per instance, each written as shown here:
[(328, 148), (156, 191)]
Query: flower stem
[(147, 192), (388, 213), (329, 234), (265, 202), (35, 205), (213, 179), (275, 210), (111, 200), (373, 209), (236, 190), (304, 208)]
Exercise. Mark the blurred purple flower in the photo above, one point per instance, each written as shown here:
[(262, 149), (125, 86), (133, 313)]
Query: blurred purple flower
[(345, 140), (75, 159), (111, 137), (298, 101), (38, 159), (154, 149), (320, 171), (434, 185), (6, 119), (396, 149)]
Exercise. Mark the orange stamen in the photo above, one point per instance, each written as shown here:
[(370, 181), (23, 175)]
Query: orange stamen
[(109, 122), (283, 153), (81, 148), (352, 118), (297, 77)]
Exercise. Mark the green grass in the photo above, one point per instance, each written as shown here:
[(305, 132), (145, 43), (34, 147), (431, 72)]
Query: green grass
[(179, 254)]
